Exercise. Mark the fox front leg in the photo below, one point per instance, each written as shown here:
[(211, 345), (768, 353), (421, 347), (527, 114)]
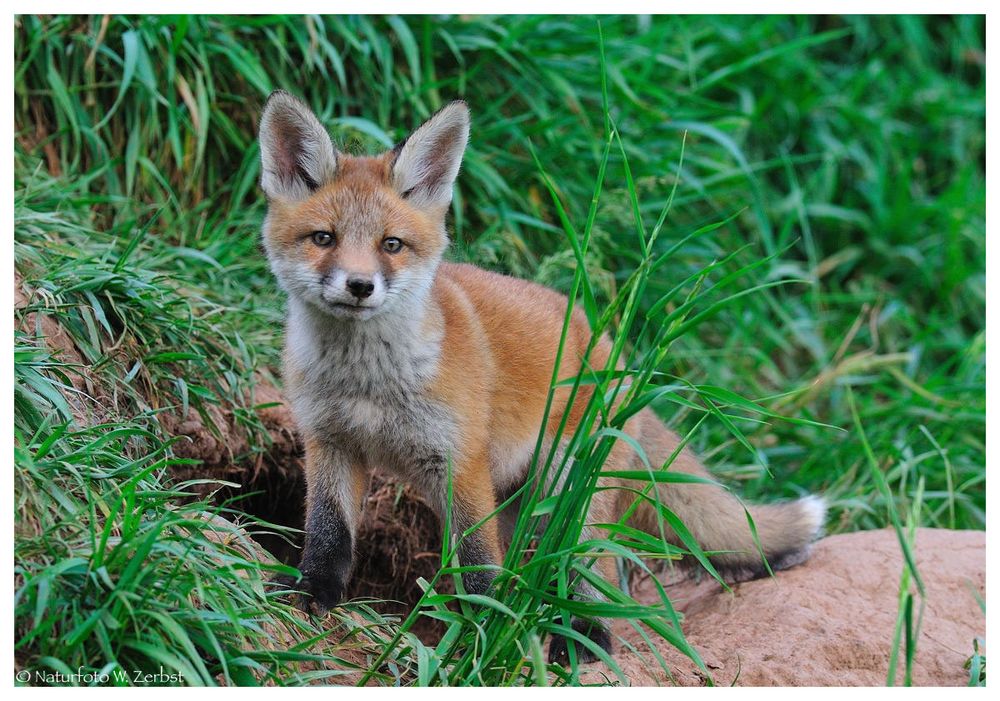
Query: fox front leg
[(334, 490), (472, 502)]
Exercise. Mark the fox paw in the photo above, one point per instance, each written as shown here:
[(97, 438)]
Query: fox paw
[(309, 595), (597, 632)]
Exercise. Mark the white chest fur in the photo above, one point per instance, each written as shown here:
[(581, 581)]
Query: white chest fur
[(360, 387)]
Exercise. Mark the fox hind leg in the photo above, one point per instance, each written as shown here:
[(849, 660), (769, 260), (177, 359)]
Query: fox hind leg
[(597, 628)]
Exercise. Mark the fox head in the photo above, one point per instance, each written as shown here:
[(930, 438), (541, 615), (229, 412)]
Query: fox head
[(356, 237)]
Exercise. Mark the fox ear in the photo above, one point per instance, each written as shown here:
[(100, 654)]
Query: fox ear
[(427, 162), (296, 153)]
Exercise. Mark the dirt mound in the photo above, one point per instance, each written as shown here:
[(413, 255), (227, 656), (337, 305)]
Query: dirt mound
[(828, 622)]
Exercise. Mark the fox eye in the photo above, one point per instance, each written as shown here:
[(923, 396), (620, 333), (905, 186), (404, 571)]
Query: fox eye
[(392, 245), (322, 238)]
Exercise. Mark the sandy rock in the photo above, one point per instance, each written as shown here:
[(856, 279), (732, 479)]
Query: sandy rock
[(828, 622)]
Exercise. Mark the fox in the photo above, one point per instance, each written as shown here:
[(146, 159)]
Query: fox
[(395, 358)]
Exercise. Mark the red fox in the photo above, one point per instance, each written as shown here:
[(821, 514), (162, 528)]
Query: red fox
[(396, 359)]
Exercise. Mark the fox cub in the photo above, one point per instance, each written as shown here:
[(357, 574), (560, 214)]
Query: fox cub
[(396, 359)]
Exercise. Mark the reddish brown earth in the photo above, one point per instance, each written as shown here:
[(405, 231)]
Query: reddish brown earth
[(828, 622)]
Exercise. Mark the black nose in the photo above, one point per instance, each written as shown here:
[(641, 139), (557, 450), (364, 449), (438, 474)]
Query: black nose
[(360, 288)]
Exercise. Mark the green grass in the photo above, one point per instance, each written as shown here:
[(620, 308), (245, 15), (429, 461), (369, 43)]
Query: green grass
[(120, 566), (844, 153)]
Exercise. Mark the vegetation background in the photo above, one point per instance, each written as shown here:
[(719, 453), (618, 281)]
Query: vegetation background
[(842, 157)]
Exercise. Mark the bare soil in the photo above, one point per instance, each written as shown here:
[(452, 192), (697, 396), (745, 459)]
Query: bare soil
[(828, 622)]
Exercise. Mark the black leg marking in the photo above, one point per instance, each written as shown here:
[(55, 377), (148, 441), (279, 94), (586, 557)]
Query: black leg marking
[(594, 630), (328, 556), (473, 551)]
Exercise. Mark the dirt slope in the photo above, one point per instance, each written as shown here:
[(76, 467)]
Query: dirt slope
[(829, 622)]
